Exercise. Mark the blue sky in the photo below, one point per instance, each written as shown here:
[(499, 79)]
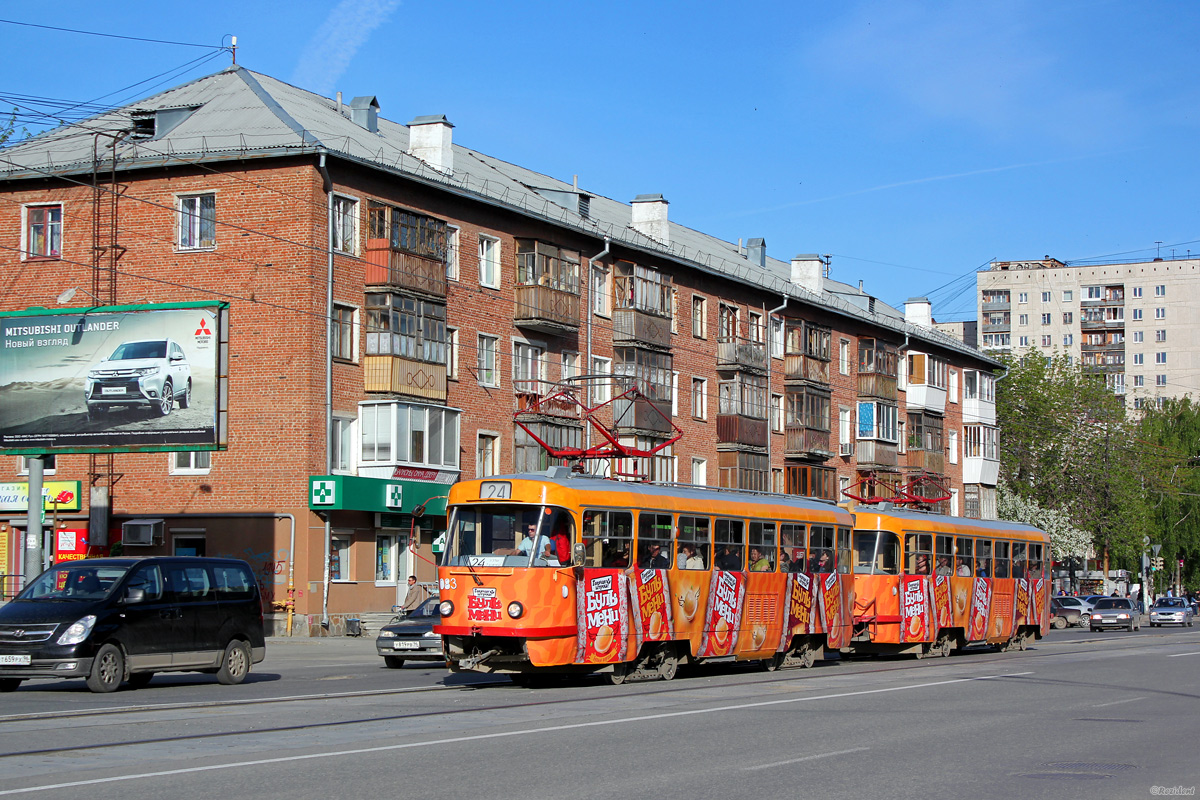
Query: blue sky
[(913, 141)]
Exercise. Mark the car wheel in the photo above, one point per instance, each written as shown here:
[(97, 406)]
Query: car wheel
[(166, 400), (186, 399), (1085, 619), (140, 680), (1094, 629), (9, 684), (393, 662), (108, 669), (1059, 623), (1130, 629), (235, 664), (1153, 624)]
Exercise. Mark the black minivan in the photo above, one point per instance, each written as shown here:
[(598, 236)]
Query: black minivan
[(116, 619)]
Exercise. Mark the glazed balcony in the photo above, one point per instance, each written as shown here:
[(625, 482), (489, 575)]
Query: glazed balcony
[(635, 326), (546, 309), (873, 384), (742, 354), (805, 368)]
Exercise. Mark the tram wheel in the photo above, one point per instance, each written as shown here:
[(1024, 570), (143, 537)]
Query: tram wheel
[(942, 647), (619, 674), (806, 657), (668, 667), (773, 663)]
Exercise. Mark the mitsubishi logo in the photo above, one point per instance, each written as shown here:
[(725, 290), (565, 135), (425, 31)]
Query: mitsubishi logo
[(203, 329)]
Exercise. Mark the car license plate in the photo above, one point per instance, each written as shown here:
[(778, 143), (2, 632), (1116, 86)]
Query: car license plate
[(406, 645), (112, 390), (16, 660)]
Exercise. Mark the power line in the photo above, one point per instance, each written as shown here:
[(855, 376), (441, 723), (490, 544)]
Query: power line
[(106, 35)]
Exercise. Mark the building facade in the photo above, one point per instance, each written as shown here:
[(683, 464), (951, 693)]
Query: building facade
[(400, 309), (1132, 322)]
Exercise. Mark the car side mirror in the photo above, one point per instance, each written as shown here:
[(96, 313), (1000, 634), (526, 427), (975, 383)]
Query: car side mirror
[(134, 595), (578, 555)]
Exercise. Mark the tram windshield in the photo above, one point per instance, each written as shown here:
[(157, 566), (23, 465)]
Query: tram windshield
[(509, 536)]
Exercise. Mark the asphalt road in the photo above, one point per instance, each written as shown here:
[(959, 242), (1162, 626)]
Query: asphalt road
[(1080, 715)]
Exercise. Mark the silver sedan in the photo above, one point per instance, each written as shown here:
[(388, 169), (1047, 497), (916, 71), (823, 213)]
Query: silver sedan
[(1170, 611), (1114, 612)]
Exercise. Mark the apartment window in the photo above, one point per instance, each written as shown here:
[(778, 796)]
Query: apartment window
[(878, 421), (48, 465), (1138, 359), (699, 398), (408, 433), (452, 245), (1160, 335), (406, 327), (1068, 295), (387, 557), (727, 323), (756, 330), (1138, 336), (1094, 292), (674, 394), (1068, 339), (1047, 341), (601, 290), (570, 365), (1160, 380), (952, 446), (344, 332), (489, 360), (528, 368), (487, 455), (1045, 297), (981, 441), (43, 231), (1139, 381), (1024, 341), (1160, 290), (744, 395), (197, 221), (452, 354), (777, 413), (699, 471), (341, 433), (1023, 297), (844, 356), (777, 339), (192, 463), (952, 392), (1137, 291), (489, 262), (345, 225), (1045, 319), (1137, 314), (674, 310), (1022, 319), (699, 317), (1160, 313), (902, 443), (339, 558), (1160, 358), (1068, 318), (602, 388)]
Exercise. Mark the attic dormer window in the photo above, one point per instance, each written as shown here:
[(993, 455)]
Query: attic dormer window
[(143, 125)]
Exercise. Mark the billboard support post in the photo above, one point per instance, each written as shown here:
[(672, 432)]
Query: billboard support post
[(33, 524)]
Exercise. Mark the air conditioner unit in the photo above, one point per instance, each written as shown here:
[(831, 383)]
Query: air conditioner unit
[(142, 531), (845, 448)]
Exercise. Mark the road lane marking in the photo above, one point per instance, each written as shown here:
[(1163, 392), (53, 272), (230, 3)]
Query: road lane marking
[(808, 758), (1118, 702), (498, 735), (1177, 655)]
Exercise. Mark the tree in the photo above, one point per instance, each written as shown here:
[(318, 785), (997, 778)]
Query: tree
[(1171, 434), (1065, 539)]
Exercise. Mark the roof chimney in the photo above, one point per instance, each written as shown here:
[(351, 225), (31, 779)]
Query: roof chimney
[(364, 112), (807, 271), (430, 139), (756, 251), (918, 311), (650, 217)]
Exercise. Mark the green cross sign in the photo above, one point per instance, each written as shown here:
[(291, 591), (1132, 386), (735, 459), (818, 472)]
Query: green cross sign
[(395, 496), (323, 493)]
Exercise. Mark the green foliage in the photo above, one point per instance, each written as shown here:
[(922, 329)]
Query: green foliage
[(1065, 539), (1171, 436)]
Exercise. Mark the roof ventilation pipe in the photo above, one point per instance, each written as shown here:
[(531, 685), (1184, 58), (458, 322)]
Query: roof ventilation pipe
[(430, 139), (364, 112), (649, 217)]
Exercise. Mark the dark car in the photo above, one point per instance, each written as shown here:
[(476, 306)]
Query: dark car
[(1114, 612), (411, 638), (1062, 614), (115, 619)]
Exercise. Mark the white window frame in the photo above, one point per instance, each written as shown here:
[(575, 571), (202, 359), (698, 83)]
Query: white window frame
[(776, 336), (49, 464), (483, 470), (453, 244), (344, 434), (777, 413), (702, 333), (451, 354), (601, 290), (570, 364), (601, 388), (25, 209), (338, 233), (952, 391), (339, 328), (844, 356), (186, 219), (345, 572), (489, 261), (529, 366), (674, 394), (845, 431), (389, 424), (1160, 313), (755, 328), (488, 375), (174, 467), (393, 561), (952, 445), (702, 412), (1160, 290), (699, 471), (1160, 380)]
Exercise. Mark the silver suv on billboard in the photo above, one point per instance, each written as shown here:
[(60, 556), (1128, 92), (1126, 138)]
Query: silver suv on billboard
[(147, 372)]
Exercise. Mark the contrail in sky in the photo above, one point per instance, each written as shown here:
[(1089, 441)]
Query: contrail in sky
[(335, 43)]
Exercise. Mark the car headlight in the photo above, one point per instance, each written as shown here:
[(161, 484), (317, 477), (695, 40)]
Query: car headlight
[(1122, 616), (445, 608), (78, 630), (387, 634), (430, 635), (515, 609)]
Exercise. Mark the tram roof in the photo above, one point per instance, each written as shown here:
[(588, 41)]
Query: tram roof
[(964, 524)]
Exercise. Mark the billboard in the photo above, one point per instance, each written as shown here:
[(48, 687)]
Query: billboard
[(114, 379)]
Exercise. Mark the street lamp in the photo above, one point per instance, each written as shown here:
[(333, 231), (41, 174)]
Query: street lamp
[(68, 294)]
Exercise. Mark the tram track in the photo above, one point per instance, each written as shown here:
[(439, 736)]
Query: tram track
[(862, 665)]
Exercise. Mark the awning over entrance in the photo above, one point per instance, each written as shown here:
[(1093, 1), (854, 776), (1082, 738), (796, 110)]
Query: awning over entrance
[(377, 495)]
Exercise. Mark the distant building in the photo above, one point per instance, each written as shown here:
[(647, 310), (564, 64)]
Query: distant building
[(966, 331)]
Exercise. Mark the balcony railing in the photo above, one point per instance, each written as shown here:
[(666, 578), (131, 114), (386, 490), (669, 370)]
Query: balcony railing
[(546, 309), (642, 415), (1101, 324), (996, 305), (872, 384), (869, 452), (928, 460), (1100, 348), (739, 353), (404, 376), (388, 266), (806, 442), (633, 326), (997, 327), (736, 429), (805, 368)]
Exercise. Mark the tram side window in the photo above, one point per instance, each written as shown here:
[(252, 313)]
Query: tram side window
[(791, 544), (843, 554), (1035, 561), (654, 540), (1000, 564), (983, 558), (820, 549), (965, 553), (1018, 559), (876, 553), (694, 543), (945, 555), (918, 552), (608, 536), (762, 546), (730, 545)]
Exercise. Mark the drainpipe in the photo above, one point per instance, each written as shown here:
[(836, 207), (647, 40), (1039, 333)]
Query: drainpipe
[(327, 185), (770, 433), (587, 429)]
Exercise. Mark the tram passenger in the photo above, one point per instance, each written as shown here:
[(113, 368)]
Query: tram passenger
[(785, 561), (980, 568), (943, 566), (616, 558), (758, 561), (729, 560), (964, 568), (652, 558), (820, 563), (922, 564)]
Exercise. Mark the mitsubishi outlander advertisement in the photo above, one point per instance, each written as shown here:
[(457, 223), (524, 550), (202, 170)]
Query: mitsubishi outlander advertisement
[(117, 378)]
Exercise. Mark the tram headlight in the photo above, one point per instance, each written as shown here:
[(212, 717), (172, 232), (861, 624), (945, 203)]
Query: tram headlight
[(446, 608), (515, 609)]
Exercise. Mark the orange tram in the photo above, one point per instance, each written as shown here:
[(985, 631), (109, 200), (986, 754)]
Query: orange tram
[(561, 572)]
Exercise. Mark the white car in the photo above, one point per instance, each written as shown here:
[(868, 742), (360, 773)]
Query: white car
[(1170, 611), (150, 373)]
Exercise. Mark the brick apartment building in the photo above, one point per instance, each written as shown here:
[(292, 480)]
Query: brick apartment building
[(395, 299)]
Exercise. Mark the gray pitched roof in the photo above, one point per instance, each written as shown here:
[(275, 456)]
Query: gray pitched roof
[(237, 113)]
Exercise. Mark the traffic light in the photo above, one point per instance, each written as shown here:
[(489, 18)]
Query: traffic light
[(1156, 563)]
